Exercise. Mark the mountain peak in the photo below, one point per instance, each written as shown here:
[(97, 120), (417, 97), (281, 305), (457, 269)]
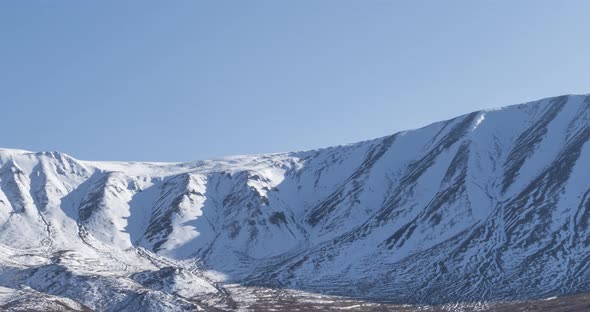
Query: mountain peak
[(491, 205)]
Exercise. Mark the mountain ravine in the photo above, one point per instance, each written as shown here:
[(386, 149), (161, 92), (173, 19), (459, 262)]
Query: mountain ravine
[(481, 210)]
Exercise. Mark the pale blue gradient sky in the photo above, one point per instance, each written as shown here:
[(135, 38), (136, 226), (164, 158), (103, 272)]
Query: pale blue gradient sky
[(185, 80)]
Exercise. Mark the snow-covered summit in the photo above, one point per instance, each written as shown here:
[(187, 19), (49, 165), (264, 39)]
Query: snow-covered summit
[(489, 205)]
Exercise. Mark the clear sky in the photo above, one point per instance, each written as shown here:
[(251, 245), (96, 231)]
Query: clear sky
[(186, 80)]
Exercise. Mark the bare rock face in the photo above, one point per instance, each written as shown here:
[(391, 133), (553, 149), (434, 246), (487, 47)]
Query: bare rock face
[(492, 206)]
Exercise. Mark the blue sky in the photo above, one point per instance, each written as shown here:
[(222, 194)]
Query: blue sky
[(186, 80)]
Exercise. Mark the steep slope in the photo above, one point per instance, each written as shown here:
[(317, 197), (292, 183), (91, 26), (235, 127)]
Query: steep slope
[(492, 205)]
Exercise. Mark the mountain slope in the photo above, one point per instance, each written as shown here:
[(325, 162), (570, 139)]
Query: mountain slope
[(492, 205)]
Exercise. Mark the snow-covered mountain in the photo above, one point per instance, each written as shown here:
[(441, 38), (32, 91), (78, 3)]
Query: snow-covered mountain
[(492, 205)]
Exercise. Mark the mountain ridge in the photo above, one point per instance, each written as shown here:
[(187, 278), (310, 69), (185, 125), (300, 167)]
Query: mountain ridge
[(488, 206), (486, 110)]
